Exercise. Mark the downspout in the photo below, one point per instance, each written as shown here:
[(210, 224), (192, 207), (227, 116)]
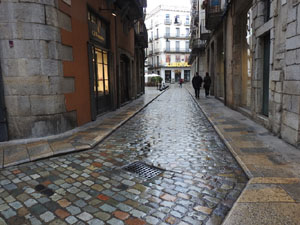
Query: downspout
[(3, 119), (225, 55), (117, 66)]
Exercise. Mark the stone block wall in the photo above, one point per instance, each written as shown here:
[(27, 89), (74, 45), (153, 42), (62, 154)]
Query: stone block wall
[(31, 56), (284, 90), (291, 74)]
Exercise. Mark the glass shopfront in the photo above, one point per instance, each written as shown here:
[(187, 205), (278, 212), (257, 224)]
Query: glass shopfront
[(99, 65)]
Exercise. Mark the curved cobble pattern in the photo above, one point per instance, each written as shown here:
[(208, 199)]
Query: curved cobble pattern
[(200, 182)]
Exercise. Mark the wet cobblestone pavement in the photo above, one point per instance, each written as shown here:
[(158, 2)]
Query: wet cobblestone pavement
[(199, 183)]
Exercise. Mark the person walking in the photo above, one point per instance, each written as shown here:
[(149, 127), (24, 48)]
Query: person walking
[(180, 82), (207, 83), (197, 83)]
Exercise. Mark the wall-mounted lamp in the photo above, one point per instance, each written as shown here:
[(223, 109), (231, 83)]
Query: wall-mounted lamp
[(113, 12)]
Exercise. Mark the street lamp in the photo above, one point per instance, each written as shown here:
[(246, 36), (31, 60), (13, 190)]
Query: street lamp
[(113, 12)]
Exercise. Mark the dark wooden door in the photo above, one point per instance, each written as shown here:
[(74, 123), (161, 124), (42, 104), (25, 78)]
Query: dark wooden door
[(266, 75)]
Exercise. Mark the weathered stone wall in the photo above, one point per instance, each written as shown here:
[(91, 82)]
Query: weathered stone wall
[(31, 56), (284, 28), (290, 63)]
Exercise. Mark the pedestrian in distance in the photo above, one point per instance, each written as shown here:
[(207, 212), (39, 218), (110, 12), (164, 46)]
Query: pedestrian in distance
[(180, 82), (207, 83), (197, 83)]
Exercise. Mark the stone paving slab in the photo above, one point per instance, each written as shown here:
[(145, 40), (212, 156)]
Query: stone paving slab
[(82, 138), (273, 167)]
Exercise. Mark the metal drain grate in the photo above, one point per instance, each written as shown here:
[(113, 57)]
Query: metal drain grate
[(143, 170)]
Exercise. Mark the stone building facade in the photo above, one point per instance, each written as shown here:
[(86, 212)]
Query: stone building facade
[(65, 62), (253, 57), (198, 39)]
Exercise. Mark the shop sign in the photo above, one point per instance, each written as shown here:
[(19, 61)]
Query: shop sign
[(178, 64), (97, 28)]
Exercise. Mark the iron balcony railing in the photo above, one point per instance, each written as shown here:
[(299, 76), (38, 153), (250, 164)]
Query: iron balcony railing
[(198, 44), (168, 22), (177, 50), (213, 13), (176, 36), (156, 50), (187, 23), (204, 33), (178, 22)]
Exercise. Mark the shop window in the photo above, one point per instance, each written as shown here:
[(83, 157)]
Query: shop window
[(168, 59), (102, 76)]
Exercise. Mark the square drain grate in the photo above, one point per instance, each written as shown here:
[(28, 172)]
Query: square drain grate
[(143, 170)]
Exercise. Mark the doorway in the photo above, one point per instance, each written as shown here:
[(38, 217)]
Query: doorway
[(3, 121), (177, 75), (168, 76), (187, 76), (100, 77), (266, 74), (124, 76)]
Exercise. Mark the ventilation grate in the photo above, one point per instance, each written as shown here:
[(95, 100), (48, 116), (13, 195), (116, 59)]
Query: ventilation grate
[(143, 170)]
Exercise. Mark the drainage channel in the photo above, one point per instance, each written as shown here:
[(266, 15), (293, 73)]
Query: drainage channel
[(143, 170)]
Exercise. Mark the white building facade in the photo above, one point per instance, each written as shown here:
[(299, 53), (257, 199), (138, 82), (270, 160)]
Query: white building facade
[(168, 48)]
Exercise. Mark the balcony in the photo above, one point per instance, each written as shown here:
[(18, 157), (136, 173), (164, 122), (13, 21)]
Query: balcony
[(141, 37), (176, 36), (198, 45), (156, 50), (132, 8), (155, 65), (168, 22), (177, 50), (204, 33), (213, 13), (178, 22)]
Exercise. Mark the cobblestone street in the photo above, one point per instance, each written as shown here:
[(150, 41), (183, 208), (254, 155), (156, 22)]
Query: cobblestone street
[(199, 183)]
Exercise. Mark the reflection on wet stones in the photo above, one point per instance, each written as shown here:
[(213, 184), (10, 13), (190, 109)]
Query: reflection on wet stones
[(201, 182)]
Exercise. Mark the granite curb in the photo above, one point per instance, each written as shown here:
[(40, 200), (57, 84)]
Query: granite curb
[(82, 138), (272, 194)]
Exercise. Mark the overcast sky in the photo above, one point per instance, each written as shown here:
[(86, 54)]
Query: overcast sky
[(154, 3)]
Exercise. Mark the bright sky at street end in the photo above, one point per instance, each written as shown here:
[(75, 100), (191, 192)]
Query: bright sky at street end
[(151, 4)]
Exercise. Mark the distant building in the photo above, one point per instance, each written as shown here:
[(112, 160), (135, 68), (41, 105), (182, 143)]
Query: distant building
[(65, 62), (168, 46)]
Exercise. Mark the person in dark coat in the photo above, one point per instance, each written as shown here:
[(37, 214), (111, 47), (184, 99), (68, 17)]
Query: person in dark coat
[(207, 83), (197, 83)]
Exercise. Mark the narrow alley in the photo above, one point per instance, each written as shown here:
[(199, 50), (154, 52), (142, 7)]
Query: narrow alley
[(198, 183)]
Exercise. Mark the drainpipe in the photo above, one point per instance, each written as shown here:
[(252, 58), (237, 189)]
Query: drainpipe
[(117, 66), (3, 120), (225, 49), (225, 58)]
